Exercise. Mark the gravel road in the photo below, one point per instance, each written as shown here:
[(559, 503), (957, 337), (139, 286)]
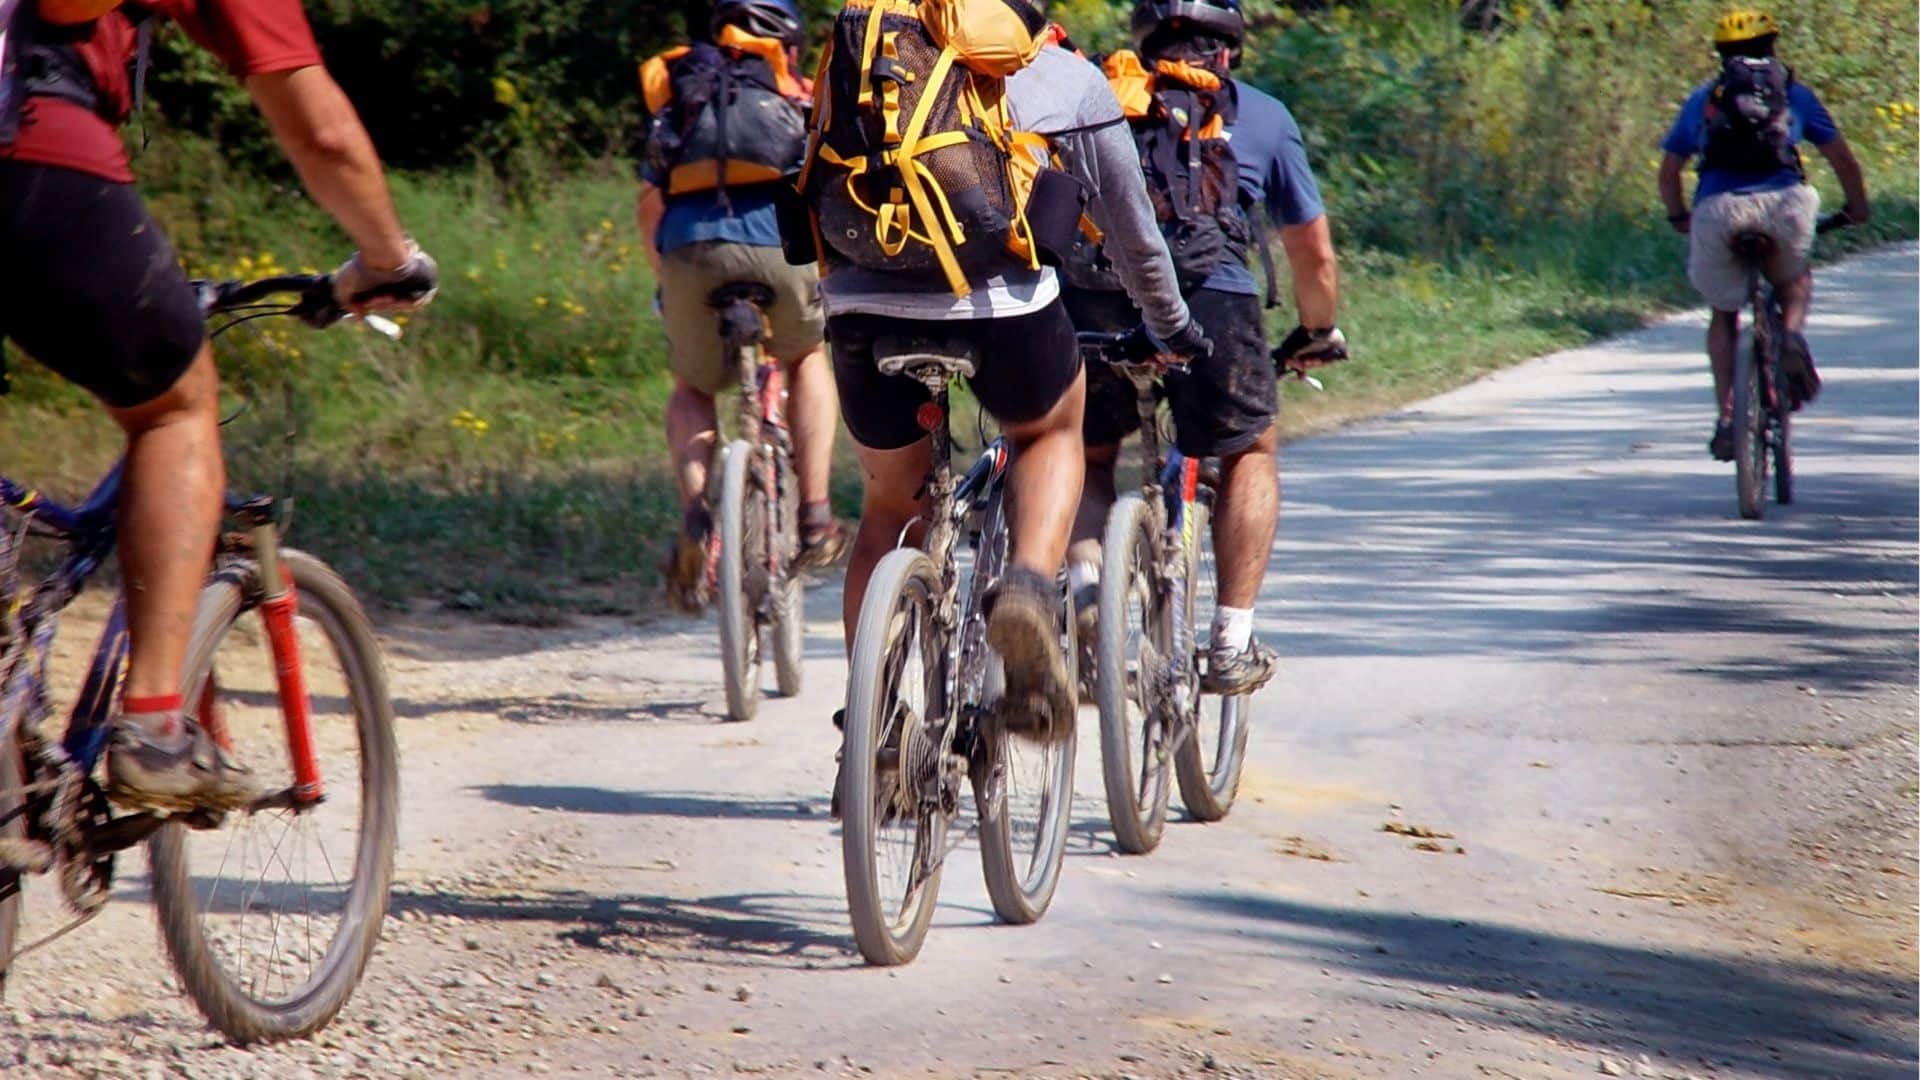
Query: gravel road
[(1674, 750)]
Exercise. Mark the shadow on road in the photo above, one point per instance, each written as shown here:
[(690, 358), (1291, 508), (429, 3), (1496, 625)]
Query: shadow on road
[(1590, 518), (1772, 1018), (594, 800)]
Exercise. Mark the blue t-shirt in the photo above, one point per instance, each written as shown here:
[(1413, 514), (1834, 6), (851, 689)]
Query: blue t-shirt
[(1273, 170), (1688, 136), (698, 217)]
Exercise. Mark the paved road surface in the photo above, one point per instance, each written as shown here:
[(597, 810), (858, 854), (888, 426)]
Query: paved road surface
[(1675, 750)]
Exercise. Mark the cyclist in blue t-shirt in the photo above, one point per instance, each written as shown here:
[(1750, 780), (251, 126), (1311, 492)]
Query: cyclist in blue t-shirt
[(1747, 185), (698, 240)]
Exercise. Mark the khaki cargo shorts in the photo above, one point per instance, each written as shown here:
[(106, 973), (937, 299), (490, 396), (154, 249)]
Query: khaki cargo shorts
[(688, 275), (1787, 215)]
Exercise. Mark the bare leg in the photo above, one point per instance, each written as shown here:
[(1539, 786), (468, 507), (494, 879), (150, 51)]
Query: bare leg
[(1043, 485), (890, 479), (1796, 299), (1097, 497), (812, 411), (1723, 339), (1246, 518), (169, 515), (691, 426)]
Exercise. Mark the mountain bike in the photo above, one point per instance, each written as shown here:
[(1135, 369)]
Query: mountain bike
[(922, 696), (1156, 583), (756, 584), (1762, 409), (269, 912)]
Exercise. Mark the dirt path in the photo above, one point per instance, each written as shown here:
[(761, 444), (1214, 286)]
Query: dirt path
[(1675, 750)]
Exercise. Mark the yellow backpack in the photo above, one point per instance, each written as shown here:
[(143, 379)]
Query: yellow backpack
[(913, 165)]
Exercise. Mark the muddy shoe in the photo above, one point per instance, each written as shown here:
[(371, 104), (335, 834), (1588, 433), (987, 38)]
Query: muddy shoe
[(1023, 628), (1231, 674), (1796, 363), (172, 764), (1721, 445), (686, 563), (821, 546)]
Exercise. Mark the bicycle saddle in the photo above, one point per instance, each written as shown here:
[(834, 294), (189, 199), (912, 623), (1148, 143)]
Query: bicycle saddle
[(751, 291), (1753, 245), (923, 357)]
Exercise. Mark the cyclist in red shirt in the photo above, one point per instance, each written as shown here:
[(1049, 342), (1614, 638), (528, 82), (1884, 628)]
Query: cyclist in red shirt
[(90, 287)]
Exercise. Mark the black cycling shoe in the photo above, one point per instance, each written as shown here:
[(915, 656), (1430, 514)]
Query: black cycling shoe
[(1231, 674), (1796, 363), (1023, 627), (176, 771), (686, 562), (1721, 445)]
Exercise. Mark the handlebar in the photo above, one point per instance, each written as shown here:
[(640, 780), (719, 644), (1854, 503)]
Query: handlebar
[(1128, 349), (314, 302)]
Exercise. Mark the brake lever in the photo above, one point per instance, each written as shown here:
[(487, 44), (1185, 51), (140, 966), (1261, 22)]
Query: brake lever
[(382, 325)]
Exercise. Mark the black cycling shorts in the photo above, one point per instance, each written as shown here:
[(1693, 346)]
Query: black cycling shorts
[(1221, 407), (1023, 365), (89, 286)]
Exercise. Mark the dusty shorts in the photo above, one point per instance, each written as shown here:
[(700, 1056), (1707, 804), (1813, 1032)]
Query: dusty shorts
[(688, 275), (1221, 407), (89, 286), (1787, 215), (1023, 365)]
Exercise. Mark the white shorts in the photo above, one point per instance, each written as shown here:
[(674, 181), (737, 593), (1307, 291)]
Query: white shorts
[(1787, 215)]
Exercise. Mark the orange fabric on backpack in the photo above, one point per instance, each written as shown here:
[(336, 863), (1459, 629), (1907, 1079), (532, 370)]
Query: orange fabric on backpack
[(70, 12), (1192, 74), (1130, 82)]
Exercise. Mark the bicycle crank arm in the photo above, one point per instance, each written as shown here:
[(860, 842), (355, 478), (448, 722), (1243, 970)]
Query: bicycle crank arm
[(121, 833)]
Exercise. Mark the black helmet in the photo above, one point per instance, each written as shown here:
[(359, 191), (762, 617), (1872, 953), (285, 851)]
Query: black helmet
[(762, 18), (1218, 17)]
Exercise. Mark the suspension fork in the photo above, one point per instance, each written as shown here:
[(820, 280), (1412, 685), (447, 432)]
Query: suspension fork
[(279, 603)]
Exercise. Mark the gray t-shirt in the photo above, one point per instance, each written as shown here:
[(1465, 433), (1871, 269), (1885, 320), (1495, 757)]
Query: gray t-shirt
[(1068, 100)]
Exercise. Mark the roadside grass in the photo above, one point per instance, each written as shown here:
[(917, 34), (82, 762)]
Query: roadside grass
[(506, 458)]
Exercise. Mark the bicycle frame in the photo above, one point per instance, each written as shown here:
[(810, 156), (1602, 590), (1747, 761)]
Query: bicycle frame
[(89, 533), (1173, 486)]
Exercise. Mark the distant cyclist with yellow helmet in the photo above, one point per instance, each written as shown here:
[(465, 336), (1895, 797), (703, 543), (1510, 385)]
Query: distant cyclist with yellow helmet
[(1745, 125)]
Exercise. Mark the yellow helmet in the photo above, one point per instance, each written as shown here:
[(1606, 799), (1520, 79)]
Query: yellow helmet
[(1744, 25)]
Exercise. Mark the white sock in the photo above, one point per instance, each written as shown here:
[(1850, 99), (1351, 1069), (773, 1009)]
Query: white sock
[(1232, 628), (1082, 575)]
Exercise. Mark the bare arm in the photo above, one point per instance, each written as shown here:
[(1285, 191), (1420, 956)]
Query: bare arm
[(1673, 170), (648, 212), (1847, 169), (316, 125), (1316, 271)]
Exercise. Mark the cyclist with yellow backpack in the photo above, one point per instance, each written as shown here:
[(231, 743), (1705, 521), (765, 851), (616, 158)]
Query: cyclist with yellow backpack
[(728, 130), (953, 148)]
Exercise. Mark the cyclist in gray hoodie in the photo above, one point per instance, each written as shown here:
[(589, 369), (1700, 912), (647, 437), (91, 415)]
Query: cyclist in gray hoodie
[(1029, 375)]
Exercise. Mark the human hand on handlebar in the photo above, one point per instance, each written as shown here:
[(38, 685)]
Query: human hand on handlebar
[(1188, 345), (360, 288), (1304, 349)]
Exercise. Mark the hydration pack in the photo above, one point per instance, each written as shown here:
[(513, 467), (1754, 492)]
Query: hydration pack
[(725, 113), (914, 166), (1179, 113), (38, 57), (1750, 119)]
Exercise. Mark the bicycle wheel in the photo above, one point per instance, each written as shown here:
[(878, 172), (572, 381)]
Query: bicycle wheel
[(893, 843), (13, 827), (1025, 794), (790, 604), (271, 916), (1208, 762), (742, 579), (1135, 639), (1782, 441), (1749, 431)]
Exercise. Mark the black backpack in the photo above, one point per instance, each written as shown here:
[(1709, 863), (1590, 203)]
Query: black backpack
[(1192, 176), (724, 121), (1750, 119)]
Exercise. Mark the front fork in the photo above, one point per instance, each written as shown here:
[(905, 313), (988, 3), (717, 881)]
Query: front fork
[(279, 604)]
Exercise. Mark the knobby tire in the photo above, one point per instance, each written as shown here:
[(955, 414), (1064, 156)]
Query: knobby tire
[(741, 509), (1134, 766), (1209, 762)]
